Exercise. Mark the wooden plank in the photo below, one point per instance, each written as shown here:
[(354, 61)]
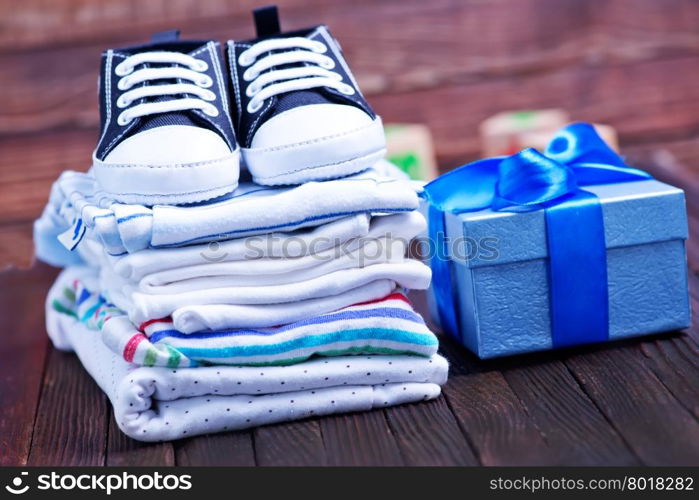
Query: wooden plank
[(692, 246), (581, 29), (484, 418), (30, 164), (607, 94), (495, 421), (37, 23), (573, 427), (429, 435), (360, 439), (650, 419), (674, 359), (16, 245), (676, 163), (693, 331), (122, 451), (291, 444), (648, 91), (525, 66), (71, 424), (228, 449), (673, 162), (22, 359)]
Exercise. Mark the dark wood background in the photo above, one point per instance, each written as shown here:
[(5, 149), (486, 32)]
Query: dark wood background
[(632, 64)]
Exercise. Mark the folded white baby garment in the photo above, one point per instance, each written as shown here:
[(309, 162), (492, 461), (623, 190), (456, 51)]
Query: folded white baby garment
[(386, 240), (157, 403), (292, 244), (189, 319), (250, 209), (385, 326), (142, 307), (269, 272)]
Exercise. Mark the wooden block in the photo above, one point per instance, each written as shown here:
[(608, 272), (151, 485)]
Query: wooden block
[(410, 149), (509, 132)]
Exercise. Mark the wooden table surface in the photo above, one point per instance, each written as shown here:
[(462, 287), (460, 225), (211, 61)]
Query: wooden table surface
[(633, 64)]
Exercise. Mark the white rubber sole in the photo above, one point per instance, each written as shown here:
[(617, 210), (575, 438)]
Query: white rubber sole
[(319, 159), (168, 184)]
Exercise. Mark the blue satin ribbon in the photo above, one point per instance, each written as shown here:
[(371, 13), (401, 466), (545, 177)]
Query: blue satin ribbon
[(553, 182)]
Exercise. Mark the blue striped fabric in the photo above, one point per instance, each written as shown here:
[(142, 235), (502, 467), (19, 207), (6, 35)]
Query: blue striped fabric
[(385, 326), (384, 312)]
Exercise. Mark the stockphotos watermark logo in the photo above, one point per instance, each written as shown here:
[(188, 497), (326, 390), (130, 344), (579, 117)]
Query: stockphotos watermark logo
[(363, 249), (106, 483), (18, 487)]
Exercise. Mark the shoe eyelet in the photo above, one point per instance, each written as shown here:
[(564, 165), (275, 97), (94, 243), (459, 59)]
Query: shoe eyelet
[(205, 82), (347, 89), (123, 70), (201, 65), (249, 76), (124, 84), (211, 111), (328, 63), (123, 120), (210, 96), (245, 61), (320, 47), (122, 103), (254, 109), (251, 90)]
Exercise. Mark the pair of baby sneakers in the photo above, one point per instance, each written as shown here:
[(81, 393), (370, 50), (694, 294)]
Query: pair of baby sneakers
[(176, 117)]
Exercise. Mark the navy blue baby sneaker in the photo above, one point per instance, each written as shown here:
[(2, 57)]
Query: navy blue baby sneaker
[(166, 130), (298, 111)]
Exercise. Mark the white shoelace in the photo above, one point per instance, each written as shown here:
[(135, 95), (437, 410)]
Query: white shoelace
[(192, 73), (317, 71)]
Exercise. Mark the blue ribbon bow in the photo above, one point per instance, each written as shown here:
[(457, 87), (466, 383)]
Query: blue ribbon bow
[(529, 180)]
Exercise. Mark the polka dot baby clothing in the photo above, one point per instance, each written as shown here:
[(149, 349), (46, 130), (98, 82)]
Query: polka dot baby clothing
[(159, 403)]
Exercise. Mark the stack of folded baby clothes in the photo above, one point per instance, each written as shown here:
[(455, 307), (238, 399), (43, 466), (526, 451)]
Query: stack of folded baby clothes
[(200, 303), (268, 324)]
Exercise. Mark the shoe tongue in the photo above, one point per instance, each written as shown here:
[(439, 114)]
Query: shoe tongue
[(165, 36), (266, 21), (291, 100)]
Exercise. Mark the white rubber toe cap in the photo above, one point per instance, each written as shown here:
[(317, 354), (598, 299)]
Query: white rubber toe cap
[(309, 123), (169, 145), (168, 165), (314, 142)]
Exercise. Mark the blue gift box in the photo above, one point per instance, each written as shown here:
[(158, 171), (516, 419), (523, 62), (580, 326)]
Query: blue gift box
[(499, 272)]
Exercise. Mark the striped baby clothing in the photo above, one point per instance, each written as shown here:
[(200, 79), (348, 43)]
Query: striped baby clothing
[(385, 326)]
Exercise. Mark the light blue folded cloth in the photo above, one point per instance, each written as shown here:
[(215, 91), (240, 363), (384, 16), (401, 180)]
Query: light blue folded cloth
[(76, 202)]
